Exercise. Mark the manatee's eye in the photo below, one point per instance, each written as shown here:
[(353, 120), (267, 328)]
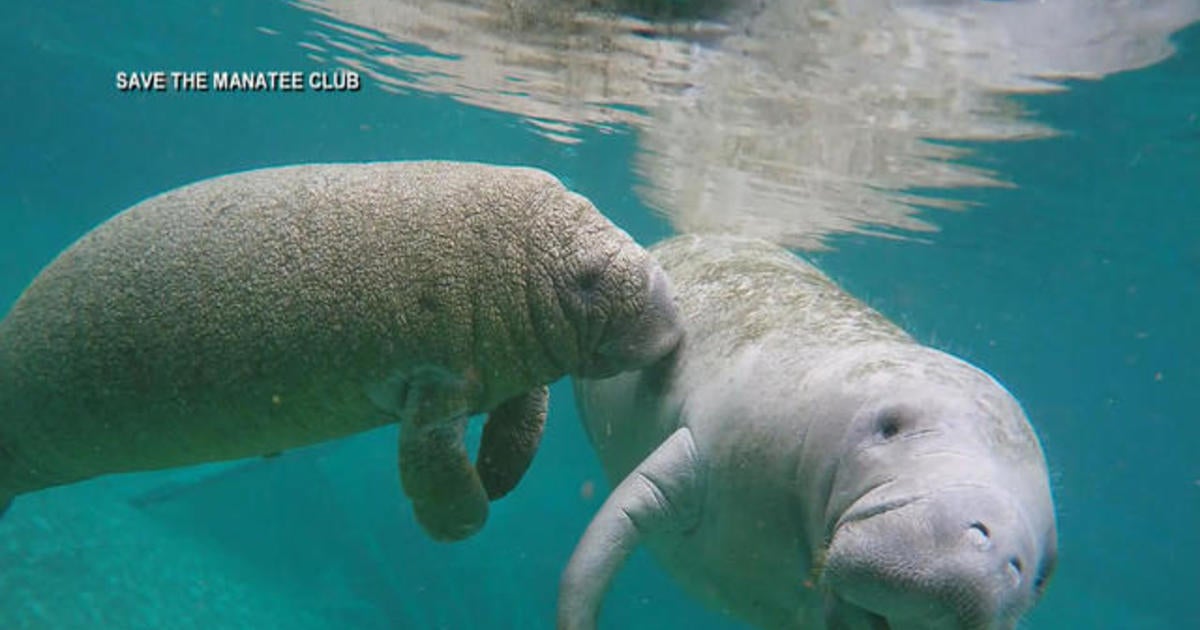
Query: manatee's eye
[(590, 279), (889, 423)]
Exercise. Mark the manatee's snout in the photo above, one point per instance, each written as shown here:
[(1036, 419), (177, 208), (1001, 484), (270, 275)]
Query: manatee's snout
[(965, 558), (641, 335)]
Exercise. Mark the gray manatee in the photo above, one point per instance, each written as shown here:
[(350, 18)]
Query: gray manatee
[(282, 307), (800, 462)]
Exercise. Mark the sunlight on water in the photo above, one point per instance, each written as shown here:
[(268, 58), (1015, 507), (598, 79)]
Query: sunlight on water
[(786, 120)]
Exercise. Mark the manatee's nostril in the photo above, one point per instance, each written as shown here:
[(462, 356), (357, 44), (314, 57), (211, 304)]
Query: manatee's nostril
[(979, 535), (1014, 570)]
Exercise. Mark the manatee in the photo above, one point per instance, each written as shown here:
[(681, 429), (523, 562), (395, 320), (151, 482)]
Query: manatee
[(798, 461), (271, 309)]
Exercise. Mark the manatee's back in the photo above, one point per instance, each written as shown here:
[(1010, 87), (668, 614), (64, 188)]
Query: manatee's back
[(734, 294), (735, 291), (240, 315)]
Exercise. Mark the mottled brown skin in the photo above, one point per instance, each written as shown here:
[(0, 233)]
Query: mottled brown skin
[(510, 439), (267, 310)]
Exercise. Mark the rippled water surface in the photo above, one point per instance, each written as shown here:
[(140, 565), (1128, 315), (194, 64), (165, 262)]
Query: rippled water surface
[(1016, 182)]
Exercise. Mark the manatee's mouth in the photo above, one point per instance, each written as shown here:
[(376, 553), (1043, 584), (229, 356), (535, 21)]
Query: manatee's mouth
[(869, 503), (625, 340), (907, 558), (841, 614), (611, 358), (858, 513)]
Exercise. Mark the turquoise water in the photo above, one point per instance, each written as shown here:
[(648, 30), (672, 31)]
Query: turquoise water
[(1079, 286)]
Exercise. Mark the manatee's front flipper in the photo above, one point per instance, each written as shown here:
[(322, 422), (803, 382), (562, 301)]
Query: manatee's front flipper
[(433, 404), (664, 493), (510, 440), (436, 472)]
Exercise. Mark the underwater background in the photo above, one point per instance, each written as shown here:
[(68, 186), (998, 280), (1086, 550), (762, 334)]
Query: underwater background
[(1053, 239)]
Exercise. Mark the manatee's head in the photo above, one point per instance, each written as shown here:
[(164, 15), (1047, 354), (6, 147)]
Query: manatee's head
[(614, 296), (633, 320), (939, 512)]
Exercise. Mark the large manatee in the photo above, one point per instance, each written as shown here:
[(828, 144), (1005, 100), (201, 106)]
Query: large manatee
[(800, 462), (276, 308)]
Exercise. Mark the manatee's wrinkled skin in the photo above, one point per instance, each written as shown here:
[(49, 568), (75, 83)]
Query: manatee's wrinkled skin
[(800, 462), (271, 309)]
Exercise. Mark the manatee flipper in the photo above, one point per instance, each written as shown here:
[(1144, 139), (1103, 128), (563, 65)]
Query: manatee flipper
[(436, 472), (435, 469), (510, 440), (663, 494)]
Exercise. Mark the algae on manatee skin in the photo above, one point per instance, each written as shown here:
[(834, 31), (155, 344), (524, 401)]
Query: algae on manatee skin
[(271, 309)]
